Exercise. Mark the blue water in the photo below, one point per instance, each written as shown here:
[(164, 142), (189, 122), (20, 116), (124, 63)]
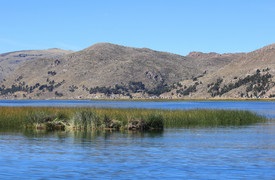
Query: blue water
[(213, 153), (266, 108), (244, 152)]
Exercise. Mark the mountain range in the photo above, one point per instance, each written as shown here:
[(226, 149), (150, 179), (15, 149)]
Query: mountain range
[(107, 70)]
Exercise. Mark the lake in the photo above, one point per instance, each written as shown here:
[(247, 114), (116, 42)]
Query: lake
[(266, 108), (244, 152)]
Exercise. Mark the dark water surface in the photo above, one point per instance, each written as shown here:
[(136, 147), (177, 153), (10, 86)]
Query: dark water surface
[(245, 152)]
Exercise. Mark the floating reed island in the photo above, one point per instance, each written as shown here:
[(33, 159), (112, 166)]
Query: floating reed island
[(83, 119)]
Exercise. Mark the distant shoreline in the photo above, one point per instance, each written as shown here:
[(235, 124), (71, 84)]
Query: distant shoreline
[(155, 99)]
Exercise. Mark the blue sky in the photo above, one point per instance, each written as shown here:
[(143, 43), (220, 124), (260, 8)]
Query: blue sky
[(177, 26)]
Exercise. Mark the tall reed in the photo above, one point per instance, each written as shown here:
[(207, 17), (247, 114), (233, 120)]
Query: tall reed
[(206, 118), (86, 120), (12, 117), (53, 118)]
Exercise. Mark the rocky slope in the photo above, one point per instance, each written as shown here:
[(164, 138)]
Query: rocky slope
[(10, 61), (111, 71), (249, 75)]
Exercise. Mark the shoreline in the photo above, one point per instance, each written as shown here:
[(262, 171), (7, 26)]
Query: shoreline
[(149, 99)]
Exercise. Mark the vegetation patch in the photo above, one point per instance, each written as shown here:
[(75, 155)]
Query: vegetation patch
[(256, 85), (89, 119), (23, 87), (188, 90), (131, 87)]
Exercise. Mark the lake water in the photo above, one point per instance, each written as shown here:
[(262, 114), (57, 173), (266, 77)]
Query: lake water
[(245, 152), (266, 108)]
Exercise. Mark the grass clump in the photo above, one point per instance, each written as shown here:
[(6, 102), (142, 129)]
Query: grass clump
[(151, 122), (12, 118), (109, 123), (155, 121), (46, 120), (211, 118), (87, 119)]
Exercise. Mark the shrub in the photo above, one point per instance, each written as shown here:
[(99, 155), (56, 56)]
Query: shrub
[(155, 121)]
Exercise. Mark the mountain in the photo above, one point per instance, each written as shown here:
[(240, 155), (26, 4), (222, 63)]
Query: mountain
[(9, 62), (249, 75), (107, 70)]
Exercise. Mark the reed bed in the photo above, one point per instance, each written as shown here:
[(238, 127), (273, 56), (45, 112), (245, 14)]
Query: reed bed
[(56, 118)]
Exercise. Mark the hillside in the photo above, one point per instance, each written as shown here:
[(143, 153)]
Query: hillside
[(9, 62), (249, 75), (107, 70)]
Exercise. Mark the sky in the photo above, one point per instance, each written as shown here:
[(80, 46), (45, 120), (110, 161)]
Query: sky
[(176, 26)]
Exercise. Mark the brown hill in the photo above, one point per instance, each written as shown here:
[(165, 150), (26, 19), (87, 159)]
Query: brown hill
[(234, 76), (108, 70), (12, 60)]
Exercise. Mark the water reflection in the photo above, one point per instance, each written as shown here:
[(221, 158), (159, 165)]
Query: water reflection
[(32, 133), (245, 152), (88, 136)]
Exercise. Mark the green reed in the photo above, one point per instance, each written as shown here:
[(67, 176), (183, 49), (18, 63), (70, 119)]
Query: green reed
[(12, 118), (210, 118), (56, 118)]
